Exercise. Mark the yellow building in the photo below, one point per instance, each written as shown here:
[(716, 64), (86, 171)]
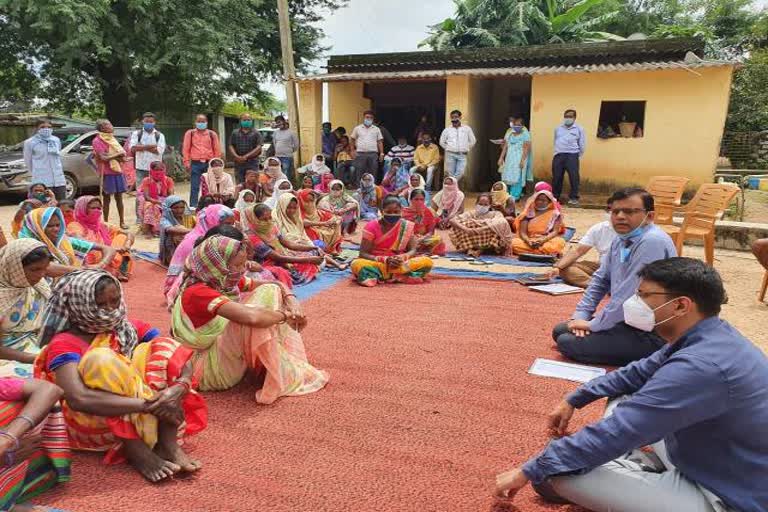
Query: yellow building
[(676, 100)]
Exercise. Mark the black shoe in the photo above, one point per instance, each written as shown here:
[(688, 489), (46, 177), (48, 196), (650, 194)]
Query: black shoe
[(546, 491)]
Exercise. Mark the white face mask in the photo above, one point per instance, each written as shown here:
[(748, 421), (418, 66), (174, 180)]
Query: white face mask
[(482, 209), (639, 315)]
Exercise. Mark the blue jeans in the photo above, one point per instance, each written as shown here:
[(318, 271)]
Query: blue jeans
[(455, 164), (196, 171), (287, 163), (140, 175)]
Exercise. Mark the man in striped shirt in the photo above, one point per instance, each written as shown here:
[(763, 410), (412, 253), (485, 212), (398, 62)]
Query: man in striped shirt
[(403, 151)]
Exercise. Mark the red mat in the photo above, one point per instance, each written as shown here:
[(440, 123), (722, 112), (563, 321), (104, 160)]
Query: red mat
[(429, 398)]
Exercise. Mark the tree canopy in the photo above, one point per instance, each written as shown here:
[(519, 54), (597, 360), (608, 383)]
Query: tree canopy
[(125, 56)]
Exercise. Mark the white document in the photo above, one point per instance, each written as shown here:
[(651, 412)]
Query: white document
[(567, 371), (557, 289)]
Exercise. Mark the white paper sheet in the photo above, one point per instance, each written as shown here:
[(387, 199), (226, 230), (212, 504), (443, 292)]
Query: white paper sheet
[(567, 371)]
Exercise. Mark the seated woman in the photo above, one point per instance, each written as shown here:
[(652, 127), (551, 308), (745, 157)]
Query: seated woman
[(416, 181), (319, 224), (539, 226), (25, 207), (151, 193), (234, 325), (425, 222), (24, 294), (315, 169), (67, 207), (273, 171), (324, 187), (34, 447), (47, 225), (396, 179), (481, 229), (126, 392), (207, 218), (246, 199), (217, 183), (342, 205), (503, 203), (89, 226), (449, 202), (291, 226), (388, 251), (177, 221), (271, 249), (369, 197), (307, 183), (283, 186), (253, 182), (43, 194)]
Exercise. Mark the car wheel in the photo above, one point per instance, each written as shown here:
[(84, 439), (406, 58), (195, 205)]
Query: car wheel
[(72, 186)]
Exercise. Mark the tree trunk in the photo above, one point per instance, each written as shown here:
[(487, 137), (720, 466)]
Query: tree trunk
[(116, 95)]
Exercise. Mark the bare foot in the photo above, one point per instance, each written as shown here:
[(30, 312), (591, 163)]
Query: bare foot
[(146, 462), (179, 457)]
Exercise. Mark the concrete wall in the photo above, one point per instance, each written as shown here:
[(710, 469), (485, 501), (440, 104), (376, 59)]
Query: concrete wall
[(684, 119), (346, 104), (310, 119)]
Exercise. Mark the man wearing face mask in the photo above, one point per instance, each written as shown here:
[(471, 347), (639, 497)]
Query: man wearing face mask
[(700, 402), (425, 159), (603, 337), (245, 147), (367, 146), (147, 146), (457, 140), (42, 158), (200, 146), (570, 143)]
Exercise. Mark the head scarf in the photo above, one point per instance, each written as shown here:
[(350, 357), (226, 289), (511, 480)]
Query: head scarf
[(73, 304), (13, 281), (91, 223), (529, 211), (168, 203), (274, 169), (542, 185), (158, 183), (422, 185), (307, 205), (209, 263), (318, 166), (450, 199), (207, 218), (325, 182), (34, 227), (290, 226), (241, 205), (266, 230), (499, 197), (277, 193)]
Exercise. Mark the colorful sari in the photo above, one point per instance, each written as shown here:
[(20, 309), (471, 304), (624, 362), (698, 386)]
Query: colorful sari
[(425, 222), (65, 250), (396, 179), (21, 305), (324, 187), (369, 197), (336, 202), (168, 242), (98, 231), (224, 350), (329, 235), (540, 224), (157, 186), (392, 243), (513, 176), (114, 362), (493, 232), (207, 218)]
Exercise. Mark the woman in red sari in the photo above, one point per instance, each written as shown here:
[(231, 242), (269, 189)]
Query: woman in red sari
[(320, 224), (151, 193), (425, 221)]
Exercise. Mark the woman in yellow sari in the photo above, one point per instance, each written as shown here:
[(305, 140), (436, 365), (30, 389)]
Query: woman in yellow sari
[(539, 226)]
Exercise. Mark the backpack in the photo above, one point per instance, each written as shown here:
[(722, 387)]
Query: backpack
[(138, 137), (211, 134)]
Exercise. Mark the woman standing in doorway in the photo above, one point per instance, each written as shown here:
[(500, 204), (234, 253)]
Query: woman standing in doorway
[(515, 160)]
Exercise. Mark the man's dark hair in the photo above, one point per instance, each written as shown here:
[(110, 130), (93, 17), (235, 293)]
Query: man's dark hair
[(688, 277), (226, 230), (455, 112), (35, 255), (326, 124), (390, 199), (626, 193), (205, 201), (260, 209), (280, 118), (369, 113), (570, 111), (149, 114), (341, 130)]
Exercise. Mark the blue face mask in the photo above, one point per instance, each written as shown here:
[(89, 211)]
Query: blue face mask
[(391, 219), (149, 126), (45, 132), (367, 122), (635, 233), (568, 121), (517, 129), (201, 126)]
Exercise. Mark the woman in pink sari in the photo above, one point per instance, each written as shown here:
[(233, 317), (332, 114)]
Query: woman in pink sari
[(151, 193), (448, 203), (324, 187)]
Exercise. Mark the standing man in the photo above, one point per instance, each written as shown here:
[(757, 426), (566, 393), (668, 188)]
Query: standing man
[(200, 146), (245, 147), (570, 143), (286, 143), (367, 148), (329, 144), (426, 158), (457, 140), (147, 146), (42, 158)]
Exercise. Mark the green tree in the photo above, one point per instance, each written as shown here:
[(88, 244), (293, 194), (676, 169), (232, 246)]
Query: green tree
[(487, 23), (748, 110), (131, 55)]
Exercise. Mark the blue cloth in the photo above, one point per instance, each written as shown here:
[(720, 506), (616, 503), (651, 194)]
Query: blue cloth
[(196, 170), (114, 184), (42, 157), (455, 164), (287, 166), (511, 173), (570, 139), (329, 144), (619, 279), (706, 395)]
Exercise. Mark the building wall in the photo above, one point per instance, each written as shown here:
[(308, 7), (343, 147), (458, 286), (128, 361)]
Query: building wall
[(346, 104), (310, 119), (684, 120)]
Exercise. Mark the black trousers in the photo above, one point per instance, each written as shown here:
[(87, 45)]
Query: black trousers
[(561, 163), (59, 192), (617, 346)]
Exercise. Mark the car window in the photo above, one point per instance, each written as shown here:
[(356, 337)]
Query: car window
[(88, 141), (66, 138)]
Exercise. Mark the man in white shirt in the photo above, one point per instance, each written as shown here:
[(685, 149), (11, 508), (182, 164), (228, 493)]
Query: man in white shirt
[(367, 148), (457, 140), (147, 146), (578, 273)]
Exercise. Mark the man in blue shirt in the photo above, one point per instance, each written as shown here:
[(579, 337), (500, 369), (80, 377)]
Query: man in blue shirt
[(570, 143), (329, 141), (42, 157), (701, 402), (603, 337)]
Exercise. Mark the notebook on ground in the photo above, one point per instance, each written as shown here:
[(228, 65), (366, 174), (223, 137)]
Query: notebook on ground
[(537, 280), (567, 371), (556, 289)]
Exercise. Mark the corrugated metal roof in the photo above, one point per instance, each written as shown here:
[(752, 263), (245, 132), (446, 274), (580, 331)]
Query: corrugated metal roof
[(690, 65)]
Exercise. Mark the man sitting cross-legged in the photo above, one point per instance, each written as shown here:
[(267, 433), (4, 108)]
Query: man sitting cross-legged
[(603, 337), (701, 403)]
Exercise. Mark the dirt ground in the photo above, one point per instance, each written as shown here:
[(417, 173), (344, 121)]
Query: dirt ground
[(740, 271)]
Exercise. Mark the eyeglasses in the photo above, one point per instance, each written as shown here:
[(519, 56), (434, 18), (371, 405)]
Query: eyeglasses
[(626, 211), (643, 295)]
